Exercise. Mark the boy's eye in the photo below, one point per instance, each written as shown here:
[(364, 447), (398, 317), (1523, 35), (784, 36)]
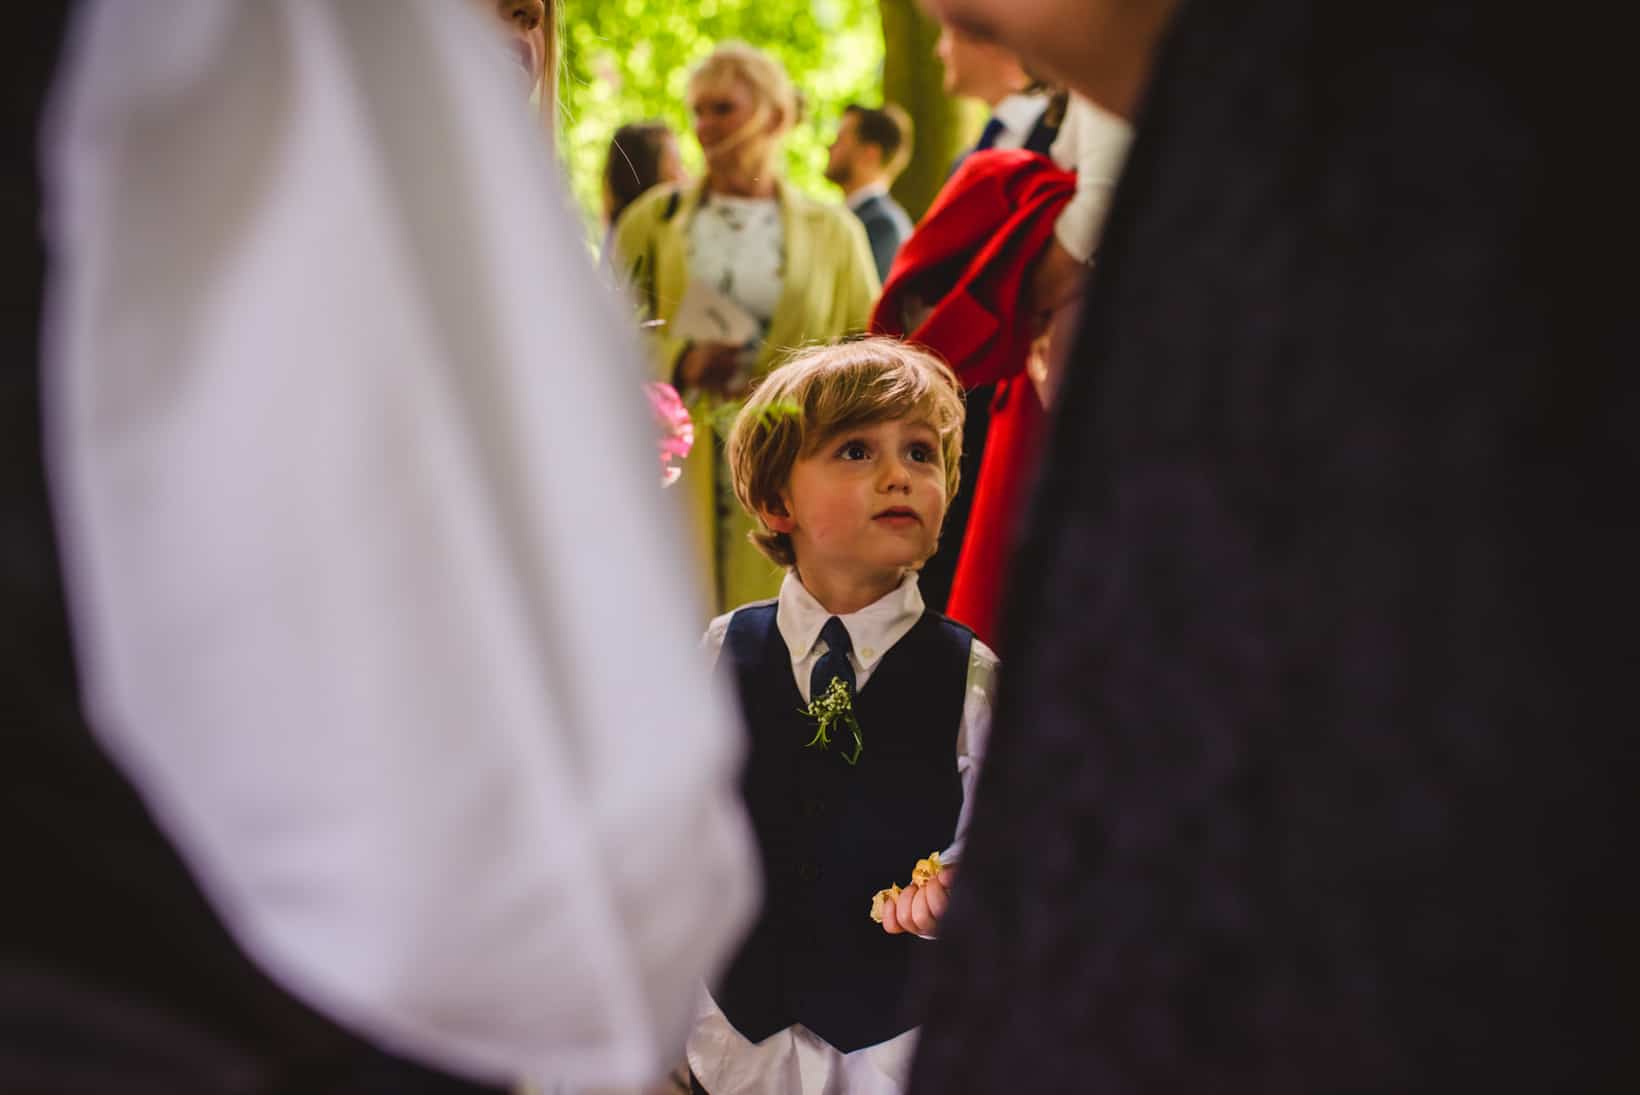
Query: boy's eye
[(923, 454), (853, 450)]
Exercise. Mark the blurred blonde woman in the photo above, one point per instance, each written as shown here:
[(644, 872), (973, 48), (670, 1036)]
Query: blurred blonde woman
[(800, 270)]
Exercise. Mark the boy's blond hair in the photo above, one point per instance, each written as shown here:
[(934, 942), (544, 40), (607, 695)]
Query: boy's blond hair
[(823, 391)]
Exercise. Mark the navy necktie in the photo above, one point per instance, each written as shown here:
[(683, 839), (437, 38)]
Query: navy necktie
[(834, 662), (988, 136)]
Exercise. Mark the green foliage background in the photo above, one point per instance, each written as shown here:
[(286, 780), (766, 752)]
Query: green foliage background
[(628, 60)]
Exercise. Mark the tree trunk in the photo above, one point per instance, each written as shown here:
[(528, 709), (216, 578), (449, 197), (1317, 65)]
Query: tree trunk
[(914, 78)]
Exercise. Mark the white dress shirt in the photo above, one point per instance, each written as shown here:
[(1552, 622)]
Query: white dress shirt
[(365, 542), (1018, 114), (796, 1061), (857, 197), (1092, 142), (738, 246)]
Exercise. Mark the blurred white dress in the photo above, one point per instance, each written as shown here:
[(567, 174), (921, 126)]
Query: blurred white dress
[(372, 576)]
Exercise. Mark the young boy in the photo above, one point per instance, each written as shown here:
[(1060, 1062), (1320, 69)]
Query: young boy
[(847, 457)]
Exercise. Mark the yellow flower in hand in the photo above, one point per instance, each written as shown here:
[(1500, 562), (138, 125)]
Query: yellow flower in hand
[(925, 872), (926, 869), (881, 899)]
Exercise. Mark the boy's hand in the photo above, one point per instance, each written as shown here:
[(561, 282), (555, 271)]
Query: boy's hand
[(919, 908)]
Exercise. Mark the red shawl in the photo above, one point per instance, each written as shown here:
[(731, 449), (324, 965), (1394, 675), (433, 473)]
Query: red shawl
[(971, 254)]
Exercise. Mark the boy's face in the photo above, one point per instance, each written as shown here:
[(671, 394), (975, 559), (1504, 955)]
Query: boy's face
[(866, 504)]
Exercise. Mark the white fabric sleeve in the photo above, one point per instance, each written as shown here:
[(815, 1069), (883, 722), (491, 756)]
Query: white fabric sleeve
[(711, 643), (973, 737), (1092, 142), (375, 587)]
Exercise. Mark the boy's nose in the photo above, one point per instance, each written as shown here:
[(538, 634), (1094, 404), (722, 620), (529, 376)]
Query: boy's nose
[(895, 474)]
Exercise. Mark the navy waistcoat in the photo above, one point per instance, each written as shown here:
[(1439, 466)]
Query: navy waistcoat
[(831, 835)]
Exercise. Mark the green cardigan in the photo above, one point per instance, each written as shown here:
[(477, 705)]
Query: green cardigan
[(830, 284), (830, 278)]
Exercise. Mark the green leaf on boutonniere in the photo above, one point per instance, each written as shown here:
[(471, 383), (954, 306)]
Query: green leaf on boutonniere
[(833, 709)]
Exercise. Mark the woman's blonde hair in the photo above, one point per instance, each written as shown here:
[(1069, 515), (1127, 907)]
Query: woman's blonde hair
[(765, 77), (824, 391), (547, 93)]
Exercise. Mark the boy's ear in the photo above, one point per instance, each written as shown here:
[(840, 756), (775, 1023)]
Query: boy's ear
[(776, 515)]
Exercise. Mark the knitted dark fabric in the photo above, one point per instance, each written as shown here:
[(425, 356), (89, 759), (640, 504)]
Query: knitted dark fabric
[(1314, 749)]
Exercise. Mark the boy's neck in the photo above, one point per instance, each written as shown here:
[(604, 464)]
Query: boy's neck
[(844, 594)]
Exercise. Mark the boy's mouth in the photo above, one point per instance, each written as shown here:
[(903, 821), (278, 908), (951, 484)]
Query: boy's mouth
[(897, 513)]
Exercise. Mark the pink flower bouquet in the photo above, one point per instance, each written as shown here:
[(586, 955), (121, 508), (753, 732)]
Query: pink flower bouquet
[(677, 430)]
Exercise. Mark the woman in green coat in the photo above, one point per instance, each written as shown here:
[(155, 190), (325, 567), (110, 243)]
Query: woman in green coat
[(795, 271)]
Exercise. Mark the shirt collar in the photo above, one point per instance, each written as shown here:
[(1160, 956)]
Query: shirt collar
[(873, 630), (1019, 112), (870, 190)]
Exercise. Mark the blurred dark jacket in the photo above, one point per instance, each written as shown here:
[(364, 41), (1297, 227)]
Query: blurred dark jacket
[(1315, 751)]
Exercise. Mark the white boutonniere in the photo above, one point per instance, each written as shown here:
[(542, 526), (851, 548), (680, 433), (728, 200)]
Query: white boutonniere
[(834, 709)]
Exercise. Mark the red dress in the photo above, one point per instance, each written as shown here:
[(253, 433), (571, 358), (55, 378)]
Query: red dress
[(971, 254)]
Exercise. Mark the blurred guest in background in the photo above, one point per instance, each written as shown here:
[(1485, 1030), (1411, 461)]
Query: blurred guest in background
[(871, 148), (977, 68), (528, 48), (741, 269), (1022, 116), (986, 281), (641, 155)]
